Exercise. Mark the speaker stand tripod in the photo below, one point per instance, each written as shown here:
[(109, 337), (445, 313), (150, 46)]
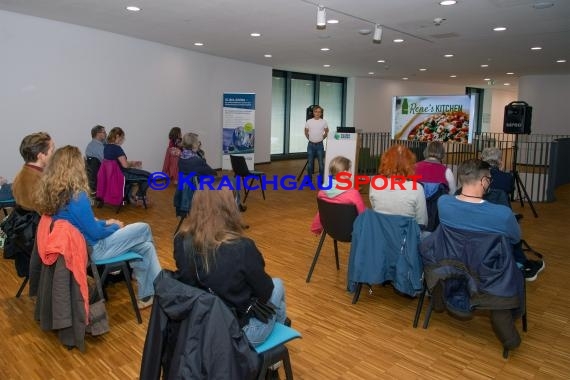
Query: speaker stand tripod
[(302, 170), (520, 188)]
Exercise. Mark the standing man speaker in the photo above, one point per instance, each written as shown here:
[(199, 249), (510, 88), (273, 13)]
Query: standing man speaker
[(316, 130)]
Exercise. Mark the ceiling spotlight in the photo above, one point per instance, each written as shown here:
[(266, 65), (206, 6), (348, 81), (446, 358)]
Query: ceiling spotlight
[(133, 8), (422, 69), (381, 61), (536, 48), (499, 29), (326, 65), (506, 84), (448, 55), (371, 73), (321, 17), (398, 40), (560, 61), (332, 21), (405, 78), (486, 79), (255, 34), (484, 65), (267, 55), (377, 38), (325, 49), (510, 73), (453, 76), (448, 2), (198, 44)]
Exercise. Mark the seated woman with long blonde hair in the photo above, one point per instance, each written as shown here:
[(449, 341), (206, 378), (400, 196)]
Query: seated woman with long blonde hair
[(63, 194), (212, 253)]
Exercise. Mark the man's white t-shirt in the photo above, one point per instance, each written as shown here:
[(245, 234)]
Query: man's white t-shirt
[(316, 129)]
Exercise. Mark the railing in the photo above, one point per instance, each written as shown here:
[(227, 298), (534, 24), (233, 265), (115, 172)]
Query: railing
[(532, 156)]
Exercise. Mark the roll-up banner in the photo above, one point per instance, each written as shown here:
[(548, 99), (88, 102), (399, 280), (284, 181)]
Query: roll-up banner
[(238, 126)]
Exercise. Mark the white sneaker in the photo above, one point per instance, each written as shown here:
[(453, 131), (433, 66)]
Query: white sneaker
[(144, 304)]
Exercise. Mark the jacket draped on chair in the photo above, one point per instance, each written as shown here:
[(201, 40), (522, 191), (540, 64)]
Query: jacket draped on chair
[(111, 183), (385, 248), (192, 334)]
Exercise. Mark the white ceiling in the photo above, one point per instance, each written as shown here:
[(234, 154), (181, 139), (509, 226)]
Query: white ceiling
[(289, 33)]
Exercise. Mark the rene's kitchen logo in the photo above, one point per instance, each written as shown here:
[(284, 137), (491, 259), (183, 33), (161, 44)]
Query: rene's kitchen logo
[(415, 108)]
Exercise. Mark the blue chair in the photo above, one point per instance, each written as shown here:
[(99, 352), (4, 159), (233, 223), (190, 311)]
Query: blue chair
[(117, 263), (273, 350), (5, 204)]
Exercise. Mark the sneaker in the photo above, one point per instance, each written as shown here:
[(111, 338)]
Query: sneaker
[(145, 302), (532, 268)]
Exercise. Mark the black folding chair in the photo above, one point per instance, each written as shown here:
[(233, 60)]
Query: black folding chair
[(239, 166), (337, 220)]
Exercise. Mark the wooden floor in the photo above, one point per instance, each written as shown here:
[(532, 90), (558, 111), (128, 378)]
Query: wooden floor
[(373, 339)]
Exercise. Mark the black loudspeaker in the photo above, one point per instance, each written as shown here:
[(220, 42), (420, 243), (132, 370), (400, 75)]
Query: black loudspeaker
[(518, 116), (310, 115)]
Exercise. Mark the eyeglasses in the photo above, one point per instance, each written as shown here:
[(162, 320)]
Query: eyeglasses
[(489, 178)]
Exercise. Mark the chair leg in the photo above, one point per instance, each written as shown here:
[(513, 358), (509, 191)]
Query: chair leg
[(98, 282), (428, 313), (261, 185), (125, 269), (245, 190), (317, 253), (505, 353), (524, 322), (357, 293), (179, 224), (336, 255), (21, 289), (287, 365), (419, 307), (527, 248)]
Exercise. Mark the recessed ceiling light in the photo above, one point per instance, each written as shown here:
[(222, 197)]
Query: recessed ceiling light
[(448, 2), (499, 29), (381, 61), (506, 84), (453, 76), (371, 73), (326, 65), (543, 5), (510, 73), (198, 44), (536, 48), (332, 21), (255, 34), (133, 8), (405, 78), (422, 69), (267, 55), (561, 61), (486, 79), (398, 40), (448, 55), (325, 49), (484, 65)]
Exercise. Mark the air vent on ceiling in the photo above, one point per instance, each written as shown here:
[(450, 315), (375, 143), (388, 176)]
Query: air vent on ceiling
[(444, 35)]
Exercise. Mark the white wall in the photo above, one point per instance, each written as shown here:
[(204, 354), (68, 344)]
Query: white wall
[(549, 96), (373, 100), (499, 99), (64, 79)]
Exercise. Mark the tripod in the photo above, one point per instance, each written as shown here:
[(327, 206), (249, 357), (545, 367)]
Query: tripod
[(518, 182), (302, 170)]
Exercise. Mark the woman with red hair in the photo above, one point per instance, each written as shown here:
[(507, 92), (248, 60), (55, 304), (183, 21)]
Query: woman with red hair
[(400, 193)]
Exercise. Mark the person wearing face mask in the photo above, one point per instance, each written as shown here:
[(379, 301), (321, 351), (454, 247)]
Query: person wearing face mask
[(469, 211)]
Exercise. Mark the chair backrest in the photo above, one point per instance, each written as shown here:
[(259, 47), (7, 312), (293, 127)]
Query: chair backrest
[(239, 166), (92, 165), (337, 219), (432, 192)]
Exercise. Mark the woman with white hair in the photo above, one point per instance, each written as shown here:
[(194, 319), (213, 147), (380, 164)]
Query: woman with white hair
[(500, 180)]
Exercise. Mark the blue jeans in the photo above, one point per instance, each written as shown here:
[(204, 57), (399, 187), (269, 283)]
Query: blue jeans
[(136, 238), (316, 150), (257, 331)]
